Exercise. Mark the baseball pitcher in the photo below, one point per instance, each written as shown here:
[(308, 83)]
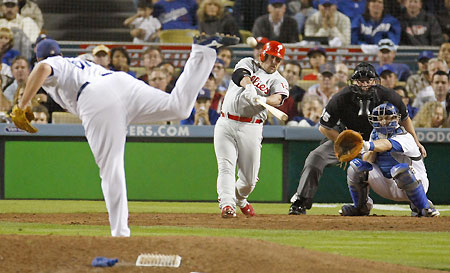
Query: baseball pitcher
[(107, 101), (238, 132)]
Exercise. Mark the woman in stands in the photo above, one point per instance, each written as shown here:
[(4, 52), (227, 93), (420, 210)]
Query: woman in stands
[(213, 18), (120, 60), (375, 25)]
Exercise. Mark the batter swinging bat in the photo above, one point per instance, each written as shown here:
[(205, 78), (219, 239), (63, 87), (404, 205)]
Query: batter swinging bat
[(277, 113)]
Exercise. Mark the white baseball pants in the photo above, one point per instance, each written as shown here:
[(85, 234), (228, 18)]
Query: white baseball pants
[(108, 105), (237, 143)]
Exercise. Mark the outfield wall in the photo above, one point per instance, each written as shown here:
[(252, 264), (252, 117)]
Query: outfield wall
[(178, 163)]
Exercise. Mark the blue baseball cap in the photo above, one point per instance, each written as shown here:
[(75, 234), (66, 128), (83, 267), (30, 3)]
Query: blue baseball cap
[(426, 54), (386, 67), (277, 2), (204, 94), (330, 2), (317, 49), (47, 48)]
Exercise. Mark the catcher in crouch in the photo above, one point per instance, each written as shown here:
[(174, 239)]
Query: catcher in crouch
[(391, 165), (348, 108)]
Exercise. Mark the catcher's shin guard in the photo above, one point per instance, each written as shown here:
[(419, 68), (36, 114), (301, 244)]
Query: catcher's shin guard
[(357, 176), (407, 181)]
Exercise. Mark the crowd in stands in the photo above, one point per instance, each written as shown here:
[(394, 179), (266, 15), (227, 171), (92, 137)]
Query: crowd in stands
[(382, 25)]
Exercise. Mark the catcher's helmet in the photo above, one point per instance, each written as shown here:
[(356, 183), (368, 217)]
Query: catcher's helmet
[(385, 118), (364, 70), (273, 48), (47, 48)]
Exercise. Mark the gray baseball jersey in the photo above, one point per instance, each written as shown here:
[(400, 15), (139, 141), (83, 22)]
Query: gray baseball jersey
[(265, 85)]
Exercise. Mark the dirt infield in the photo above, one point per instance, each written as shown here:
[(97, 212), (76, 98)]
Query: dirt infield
[(200, 254)]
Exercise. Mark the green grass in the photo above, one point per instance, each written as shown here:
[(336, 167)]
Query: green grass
[(419, 249)]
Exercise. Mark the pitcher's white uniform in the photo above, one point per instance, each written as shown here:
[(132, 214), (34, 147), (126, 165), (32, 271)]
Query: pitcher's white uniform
[(240, 141), (109, 101), (404, 150)]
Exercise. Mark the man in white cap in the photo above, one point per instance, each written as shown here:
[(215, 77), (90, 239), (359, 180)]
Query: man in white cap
[(101, 56), (386, 55)]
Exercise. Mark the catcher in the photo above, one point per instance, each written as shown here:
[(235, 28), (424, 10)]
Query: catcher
[(349, 109), (391, 165)]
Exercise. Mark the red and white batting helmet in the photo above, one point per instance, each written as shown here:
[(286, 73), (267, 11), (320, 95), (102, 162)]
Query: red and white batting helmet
[(273, 48)]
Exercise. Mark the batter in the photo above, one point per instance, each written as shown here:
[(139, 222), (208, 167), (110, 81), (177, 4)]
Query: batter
[(392, 166), (238, 132), (107, 102)]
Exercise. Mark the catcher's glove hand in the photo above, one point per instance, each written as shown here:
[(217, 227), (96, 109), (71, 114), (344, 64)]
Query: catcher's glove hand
[(348, 145), (22, 118)]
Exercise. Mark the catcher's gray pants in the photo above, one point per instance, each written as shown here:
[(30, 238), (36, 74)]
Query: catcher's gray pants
[(316, 161)]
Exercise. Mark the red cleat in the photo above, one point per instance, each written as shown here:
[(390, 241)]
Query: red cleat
[(248, 210), (228, 212)]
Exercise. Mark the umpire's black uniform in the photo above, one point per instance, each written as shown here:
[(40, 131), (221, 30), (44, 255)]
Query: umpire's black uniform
[(348, 108)]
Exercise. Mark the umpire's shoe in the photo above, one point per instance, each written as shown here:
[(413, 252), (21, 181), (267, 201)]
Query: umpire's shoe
[(215, 41), (297, 208), (350, 210)]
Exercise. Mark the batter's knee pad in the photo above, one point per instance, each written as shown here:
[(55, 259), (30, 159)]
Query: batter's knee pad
[(407, 181)]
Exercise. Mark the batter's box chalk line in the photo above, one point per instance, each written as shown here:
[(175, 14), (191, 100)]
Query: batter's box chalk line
[(149, 259)]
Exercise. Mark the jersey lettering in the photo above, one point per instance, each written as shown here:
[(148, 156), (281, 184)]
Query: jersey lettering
[(80, 64), (260, 85)]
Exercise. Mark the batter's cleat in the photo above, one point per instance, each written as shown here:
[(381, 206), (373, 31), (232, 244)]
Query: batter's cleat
[(297, 208), (228, 212), (215, 41), (248, 210), (350, 210)]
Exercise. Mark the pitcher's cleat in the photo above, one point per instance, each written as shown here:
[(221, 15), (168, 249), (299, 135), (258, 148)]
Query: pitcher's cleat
[(215, 41)]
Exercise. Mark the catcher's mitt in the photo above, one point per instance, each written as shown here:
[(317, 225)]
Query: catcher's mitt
[(348, 145), (22, 118)]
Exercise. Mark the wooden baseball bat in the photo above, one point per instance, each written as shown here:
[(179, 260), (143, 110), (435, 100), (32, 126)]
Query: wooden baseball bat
[(277, 113)]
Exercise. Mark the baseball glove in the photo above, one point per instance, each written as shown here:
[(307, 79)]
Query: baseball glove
[(22, 118), (348, 145)]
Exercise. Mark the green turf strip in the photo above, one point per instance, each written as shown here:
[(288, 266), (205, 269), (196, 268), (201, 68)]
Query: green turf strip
[(418, 249)]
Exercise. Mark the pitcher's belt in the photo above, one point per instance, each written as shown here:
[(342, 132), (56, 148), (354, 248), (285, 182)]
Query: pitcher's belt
[(241, 119)]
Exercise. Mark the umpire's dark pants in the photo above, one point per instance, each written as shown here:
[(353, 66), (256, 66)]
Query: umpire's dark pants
[(316, 161)]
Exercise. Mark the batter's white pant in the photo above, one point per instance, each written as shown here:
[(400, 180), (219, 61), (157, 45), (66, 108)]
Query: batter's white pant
[(237, 143), (386, 187), (108, 105)]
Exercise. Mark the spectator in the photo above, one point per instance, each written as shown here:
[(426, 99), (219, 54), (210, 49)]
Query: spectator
[(30, 9), (276, 25), (292, 72), (144, 27), (444, 52), (170, 70), (159, 79), (6, 46), (436, 92), (341, 75), (375, 25), (226, 54), (176, 14), (13, 20), (387, 76), (421, 79), (317, 56), (152, 57), (101, 56), (418, 26), (41, 115), (202, 112), (20, 70), (329, 22), (301, 11), (431, 115), (401, 91), (386, 55), (246, 11), (219, 73), (261, 41), (120, 60), (327, 83), (352, 8), (311, 108), (216, 99), (213, 18)]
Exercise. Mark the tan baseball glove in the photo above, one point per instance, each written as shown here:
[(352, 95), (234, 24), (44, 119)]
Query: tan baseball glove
[(22, 119), (348, 145)]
